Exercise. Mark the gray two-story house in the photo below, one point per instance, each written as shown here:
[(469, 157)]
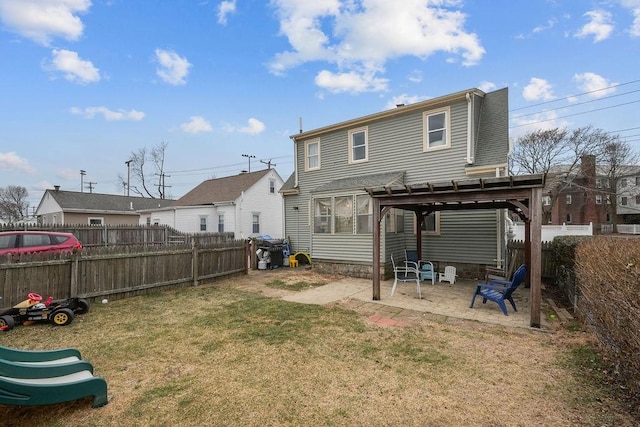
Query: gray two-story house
[(329, 213)]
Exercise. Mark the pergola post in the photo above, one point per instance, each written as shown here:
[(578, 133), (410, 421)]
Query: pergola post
[(376, 249), (535, 249)]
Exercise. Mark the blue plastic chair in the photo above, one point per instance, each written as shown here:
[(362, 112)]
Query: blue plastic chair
[(426, 270), (500, 291)]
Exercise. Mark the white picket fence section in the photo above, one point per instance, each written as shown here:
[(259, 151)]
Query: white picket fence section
[(629, 228), (551, 231)]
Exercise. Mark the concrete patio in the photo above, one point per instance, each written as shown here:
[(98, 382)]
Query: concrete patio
[(444, 300)]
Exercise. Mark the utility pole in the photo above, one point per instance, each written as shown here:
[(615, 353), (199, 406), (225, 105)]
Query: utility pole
[(268, 163), (249, 157), (82, 174), (128, 163), (90, 185)]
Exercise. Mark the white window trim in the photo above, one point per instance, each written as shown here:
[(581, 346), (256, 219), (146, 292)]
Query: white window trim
[(306, 154), (598, 199), (206, 223), (365, 130), (436, 232), (95, 218), (425, 129), (569, 199)]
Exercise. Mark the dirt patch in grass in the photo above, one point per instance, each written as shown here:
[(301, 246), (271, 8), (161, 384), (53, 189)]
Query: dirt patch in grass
[(234, 353)]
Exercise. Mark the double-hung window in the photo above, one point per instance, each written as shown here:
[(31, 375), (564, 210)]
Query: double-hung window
[(364, 212), (255, 226), (344, 214), (312, 154), (221, 223), (203, 223), (358, 145), (437, 129), (322, 215)]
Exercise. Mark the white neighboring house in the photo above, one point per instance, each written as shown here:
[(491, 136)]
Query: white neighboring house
[(248, 204)]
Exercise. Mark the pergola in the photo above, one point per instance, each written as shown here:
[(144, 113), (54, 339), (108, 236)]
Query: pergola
[(520, 194)]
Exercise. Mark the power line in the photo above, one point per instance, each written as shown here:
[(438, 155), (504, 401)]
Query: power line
[(575, 104), (575, 114), (575, 96)]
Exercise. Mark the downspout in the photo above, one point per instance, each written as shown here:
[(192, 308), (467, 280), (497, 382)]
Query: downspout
[(469, 129)]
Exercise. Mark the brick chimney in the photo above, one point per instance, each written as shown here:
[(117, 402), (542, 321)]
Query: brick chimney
[(588, 168)]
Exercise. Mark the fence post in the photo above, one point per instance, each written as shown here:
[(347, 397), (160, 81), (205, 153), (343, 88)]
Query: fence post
[(73, 285), (194, 260)]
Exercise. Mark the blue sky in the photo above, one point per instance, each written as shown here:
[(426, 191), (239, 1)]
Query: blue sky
[(83, 83)]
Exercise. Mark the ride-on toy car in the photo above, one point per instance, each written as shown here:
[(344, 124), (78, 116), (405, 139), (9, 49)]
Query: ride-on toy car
[(57, 312)]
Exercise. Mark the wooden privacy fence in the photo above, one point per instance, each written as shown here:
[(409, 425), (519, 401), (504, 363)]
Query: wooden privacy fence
[(118, 272), (125, 235), (548, 265)]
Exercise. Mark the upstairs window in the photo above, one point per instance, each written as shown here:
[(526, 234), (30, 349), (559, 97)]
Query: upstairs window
[(598, 199), (272, 186), (624, 200), (546, 201), (623, 182), (358, 143), (568, 199), (436, 130), (312, 154)]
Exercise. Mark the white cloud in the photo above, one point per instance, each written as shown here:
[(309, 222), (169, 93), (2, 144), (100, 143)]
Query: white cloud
[(538, 90), (532, 122), (596, 85), (360, 36), (74, 68), (172, 68), (350, 82), (224, 9), (599, 25), (402, 99), (415, 76), (12, 162), (254, 127), (486, 86), (41, 20), (196, 124), (634, 5), (110, 115)]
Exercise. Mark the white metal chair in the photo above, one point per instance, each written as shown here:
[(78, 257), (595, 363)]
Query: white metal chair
[(408, 273), (426, 270), (449, 275)]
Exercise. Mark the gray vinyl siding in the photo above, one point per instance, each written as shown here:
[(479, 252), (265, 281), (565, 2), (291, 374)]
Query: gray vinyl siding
[(465, 237), (396, 144)]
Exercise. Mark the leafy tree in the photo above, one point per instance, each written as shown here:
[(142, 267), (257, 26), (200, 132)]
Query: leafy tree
[(13, 203), (146, 168)]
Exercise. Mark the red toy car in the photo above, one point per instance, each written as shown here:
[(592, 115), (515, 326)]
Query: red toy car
[(19, 242)]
